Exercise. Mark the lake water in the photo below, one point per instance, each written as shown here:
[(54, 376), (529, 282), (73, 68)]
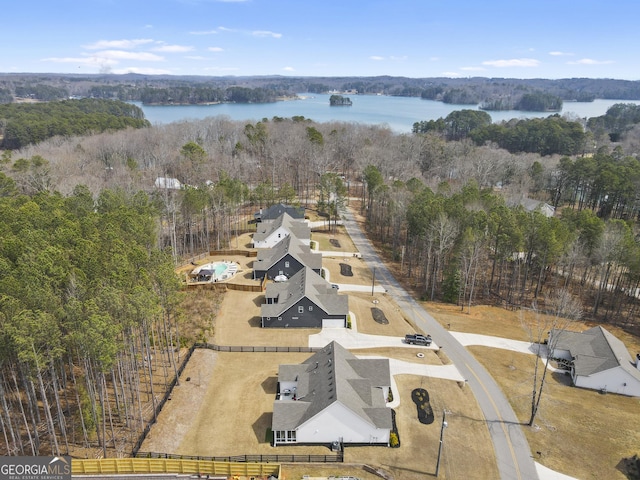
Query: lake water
[(398, 113)]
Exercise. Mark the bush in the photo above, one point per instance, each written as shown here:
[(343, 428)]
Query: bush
[(390, 396), (394, 442)]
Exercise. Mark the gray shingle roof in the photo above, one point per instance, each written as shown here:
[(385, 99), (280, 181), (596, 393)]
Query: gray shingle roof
[(292, 246), (299, 228), (274, 211), (305, 283), (335, 375), (595, 350)]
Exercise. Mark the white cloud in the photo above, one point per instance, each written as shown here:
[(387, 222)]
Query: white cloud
[(126, 44), (590, 61), (560, 54), (255, 33), (514, 62), (204, 32), (398, 59), (473, 69), (124, 55), (91, 60), (450, 74), (377, 58), (434, 59), (289, 69), (215, 49), (195, 57), (266, 33), (173, 48)]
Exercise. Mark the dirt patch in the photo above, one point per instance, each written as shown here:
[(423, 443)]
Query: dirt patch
[(379, 316), (345, 270), (335, 242), (179, 414)]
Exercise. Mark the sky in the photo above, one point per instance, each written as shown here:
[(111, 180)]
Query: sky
[(413, 38)]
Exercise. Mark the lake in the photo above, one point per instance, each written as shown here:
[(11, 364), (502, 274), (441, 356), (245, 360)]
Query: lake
[(398, 113)]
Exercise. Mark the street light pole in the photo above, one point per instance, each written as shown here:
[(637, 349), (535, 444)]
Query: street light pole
[(444, 425)]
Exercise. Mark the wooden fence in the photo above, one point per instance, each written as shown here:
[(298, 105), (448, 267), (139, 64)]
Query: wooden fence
[(172, 464), (275, 458), (218, 348)]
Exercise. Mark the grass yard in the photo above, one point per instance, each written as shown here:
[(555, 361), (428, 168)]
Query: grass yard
[(226, 407), (578, 432)]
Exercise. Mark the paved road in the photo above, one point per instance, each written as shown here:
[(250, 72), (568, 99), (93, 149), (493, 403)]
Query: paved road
[(511, 447)]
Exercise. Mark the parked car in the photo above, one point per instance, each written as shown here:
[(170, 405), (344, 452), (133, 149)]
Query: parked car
[(416, 339), (335, 286)]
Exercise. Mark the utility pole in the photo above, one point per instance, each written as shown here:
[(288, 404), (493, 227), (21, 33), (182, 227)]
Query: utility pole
[(373, 282), (444, 425)]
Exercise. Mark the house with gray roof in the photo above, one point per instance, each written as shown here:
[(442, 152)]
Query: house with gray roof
[(270, 233), (597, 360), (286, 258), (274, 211), (333, 397), (306, 300)]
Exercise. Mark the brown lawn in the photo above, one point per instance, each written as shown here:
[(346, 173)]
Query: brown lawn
[(578, 432)]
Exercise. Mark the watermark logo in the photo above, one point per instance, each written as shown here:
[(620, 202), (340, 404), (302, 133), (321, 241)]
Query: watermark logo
[(35, 468)]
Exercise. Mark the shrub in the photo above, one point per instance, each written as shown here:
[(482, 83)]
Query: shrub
[(394, 442)]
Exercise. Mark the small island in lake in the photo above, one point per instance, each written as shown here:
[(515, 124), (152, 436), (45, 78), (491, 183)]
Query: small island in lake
[(340, 101)]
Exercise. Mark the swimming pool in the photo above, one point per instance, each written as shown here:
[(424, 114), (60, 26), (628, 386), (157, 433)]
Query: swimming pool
[(215, 272)]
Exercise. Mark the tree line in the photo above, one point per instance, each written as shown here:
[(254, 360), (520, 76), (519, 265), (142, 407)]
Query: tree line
[(545, 136), (471, 245), (88, 326), (27, 123), (494, 92)]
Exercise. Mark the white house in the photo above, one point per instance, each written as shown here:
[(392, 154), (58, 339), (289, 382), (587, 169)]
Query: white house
[(168, 183), (597, 360), (269, 233), (333, 397)]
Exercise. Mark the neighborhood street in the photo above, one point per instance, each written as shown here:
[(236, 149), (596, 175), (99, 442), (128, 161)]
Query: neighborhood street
[(512, 450)]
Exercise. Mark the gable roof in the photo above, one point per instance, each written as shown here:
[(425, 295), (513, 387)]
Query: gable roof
[(334, 375), (299, 228), (595, 350), (305, 283), (292, 246), (274, 211)]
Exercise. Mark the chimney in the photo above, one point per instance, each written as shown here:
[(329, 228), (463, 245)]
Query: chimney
[(638, 361)]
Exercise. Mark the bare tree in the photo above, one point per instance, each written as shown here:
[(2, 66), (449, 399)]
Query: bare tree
[(564, 310)]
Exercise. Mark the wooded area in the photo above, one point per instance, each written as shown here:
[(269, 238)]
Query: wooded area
[(92, 227)]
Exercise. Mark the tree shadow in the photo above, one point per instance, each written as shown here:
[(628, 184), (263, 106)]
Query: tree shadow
[(261, 425)]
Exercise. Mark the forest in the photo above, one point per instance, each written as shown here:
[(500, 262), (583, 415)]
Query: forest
[(26, 123), (91, 315), (490, 93)]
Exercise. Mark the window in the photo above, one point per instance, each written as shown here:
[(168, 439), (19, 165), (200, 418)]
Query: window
[(284, 436), (300, 309)]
